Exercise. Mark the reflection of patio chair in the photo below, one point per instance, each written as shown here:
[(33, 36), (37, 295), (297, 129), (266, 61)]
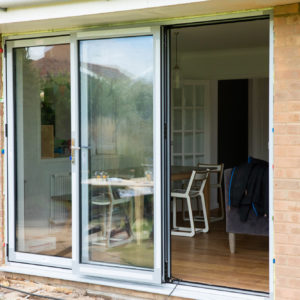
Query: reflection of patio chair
[(60, 195), (109, 200)]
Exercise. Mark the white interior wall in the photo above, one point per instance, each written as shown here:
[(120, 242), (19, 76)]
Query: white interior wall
[(258, 118), (225, 64)]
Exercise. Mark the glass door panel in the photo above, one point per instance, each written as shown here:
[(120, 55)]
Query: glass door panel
[(42, 137), (117, 189)]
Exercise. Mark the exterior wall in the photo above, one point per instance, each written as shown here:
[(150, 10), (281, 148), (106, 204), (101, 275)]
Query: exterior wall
[(287, 151)]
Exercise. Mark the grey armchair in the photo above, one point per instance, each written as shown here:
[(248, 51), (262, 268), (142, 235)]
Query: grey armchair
[(254, 225)]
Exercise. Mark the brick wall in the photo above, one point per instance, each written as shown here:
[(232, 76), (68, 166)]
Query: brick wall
[(287, 151)]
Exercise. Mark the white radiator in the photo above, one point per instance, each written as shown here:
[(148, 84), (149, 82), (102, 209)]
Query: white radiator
[(61, 196)]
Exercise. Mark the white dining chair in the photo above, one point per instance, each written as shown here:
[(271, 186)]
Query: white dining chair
[(108, 201), (219, 170), (194, 189)]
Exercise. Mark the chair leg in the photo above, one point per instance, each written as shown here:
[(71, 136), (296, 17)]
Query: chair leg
[(183, 211), (231, 242), (221, 203), (174, 212), (206, 226), (109, 224), (191, 216)]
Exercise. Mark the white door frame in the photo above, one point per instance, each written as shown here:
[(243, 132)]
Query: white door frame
[(219, 20), (14, 255), (100, 270), (107, 270)]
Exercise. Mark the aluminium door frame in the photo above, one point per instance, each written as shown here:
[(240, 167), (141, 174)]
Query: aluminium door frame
[(13, 255), (268, 14), (109, 270)]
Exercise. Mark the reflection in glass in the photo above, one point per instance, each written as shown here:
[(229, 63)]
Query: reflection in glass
[(116, 78), (43, 220)]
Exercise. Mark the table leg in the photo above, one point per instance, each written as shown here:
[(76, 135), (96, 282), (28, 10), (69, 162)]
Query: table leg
[(139, 216)]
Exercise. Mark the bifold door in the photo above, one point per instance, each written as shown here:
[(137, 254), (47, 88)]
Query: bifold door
[(120, 161), (39, 168), (85, 153)]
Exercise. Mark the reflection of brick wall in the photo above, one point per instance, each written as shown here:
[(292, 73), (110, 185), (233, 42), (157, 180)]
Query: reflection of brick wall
[(287, 151)]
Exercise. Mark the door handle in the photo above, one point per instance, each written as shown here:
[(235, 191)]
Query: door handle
[(75, 148)]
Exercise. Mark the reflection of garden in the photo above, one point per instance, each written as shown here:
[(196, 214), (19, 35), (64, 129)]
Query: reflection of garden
[(120, 114), (132, 254), (120, 121)]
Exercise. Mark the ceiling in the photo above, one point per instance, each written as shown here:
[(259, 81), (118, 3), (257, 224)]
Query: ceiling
[(250, 34)]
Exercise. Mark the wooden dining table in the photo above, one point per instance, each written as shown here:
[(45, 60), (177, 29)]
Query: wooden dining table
[(180, 173)]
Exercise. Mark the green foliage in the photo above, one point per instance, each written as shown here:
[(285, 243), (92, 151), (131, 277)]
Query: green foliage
[(127, 104)]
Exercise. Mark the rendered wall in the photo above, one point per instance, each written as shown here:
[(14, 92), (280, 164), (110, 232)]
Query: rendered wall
[(287, 151)]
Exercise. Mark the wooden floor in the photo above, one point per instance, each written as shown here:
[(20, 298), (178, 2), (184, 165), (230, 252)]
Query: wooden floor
[(206, 259)]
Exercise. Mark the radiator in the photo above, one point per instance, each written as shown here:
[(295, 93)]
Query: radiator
[(61, 196)]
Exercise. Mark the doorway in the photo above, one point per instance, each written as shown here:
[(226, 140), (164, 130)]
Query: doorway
[(218, 117)]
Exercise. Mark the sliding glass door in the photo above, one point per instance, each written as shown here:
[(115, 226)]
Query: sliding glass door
[(116, 77), (41, 148), (84, 153), (118, 171)]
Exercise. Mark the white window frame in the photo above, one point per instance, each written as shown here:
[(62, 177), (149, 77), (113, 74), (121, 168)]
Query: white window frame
[(114, 271)]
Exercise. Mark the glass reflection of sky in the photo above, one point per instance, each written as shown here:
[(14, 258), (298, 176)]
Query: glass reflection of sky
[(133, 56), (36, 53)]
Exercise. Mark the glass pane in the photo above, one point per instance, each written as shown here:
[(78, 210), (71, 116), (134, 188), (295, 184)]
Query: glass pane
[(43, 219), (188, 119), (199, 119), (188, 142), (199, 142), (177, 160), (177, 119), (199, 95), (188, 95), (188, 160), (116, 78), (177, 142), (177, 97)]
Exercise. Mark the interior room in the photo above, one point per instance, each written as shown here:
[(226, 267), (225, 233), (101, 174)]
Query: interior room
[(219, 121)]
